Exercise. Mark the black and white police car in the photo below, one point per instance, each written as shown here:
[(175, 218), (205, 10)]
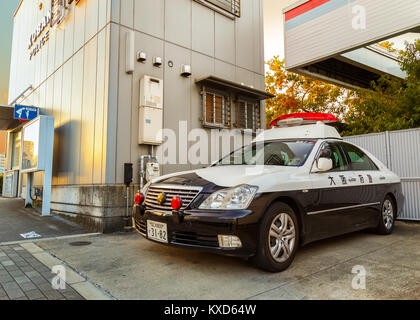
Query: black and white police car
[(312, 185)]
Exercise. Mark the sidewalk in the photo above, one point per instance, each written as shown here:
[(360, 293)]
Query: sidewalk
[(16, 220), (25, 274)]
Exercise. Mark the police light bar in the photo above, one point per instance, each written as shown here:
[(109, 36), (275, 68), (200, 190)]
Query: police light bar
[(296, 119)]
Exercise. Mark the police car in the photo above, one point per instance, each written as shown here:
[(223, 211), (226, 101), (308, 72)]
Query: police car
[(293, 185)]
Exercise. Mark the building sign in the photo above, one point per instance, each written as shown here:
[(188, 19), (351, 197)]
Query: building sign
[(55, 16), (25, 113), (37, 34)]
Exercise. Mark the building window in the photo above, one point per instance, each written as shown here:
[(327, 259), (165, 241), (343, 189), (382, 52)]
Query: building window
[(216, 109), (248, 115), (231, 6)]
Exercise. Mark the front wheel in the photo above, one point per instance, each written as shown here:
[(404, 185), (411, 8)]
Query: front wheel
[(387, 218), (278, 238)]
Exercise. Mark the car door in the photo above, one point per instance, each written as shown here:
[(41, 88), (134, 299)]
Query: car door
[(370, 181), (331, 213)]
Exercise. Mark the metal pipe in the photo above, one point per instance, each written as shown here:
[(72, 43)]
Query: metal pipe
[(21, 95)]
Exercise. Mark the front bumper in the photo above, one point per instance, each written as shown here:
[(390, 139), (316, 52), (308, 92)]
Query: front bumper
[(199, 229)]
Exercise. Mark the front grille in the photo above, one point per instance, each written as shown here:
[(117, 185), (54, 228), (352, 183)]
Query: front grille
[(192, 238), (187, 195), (140, 226)]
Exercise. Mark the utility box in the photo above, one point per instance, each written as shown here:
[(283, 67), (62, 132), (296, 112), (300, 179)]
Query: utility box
[(151, 111), (152, 171), (151, 92)]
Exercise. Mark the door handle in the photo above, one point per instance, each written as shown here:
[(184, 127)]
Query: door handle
[(382, 178), (352, 179)]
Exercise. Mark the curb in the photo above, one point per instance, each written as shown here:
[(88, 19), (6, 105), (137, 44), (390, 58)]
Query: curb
[(48, 239)]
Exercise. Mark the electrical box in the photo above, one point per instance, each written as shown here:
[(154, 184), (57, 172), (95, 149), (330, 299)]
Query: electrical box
[(150, 125), (151, 111), (152, 170), (151, 92)]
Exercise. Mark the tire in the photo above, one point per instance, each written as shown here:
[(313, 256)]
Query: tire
[(387, 217), (272, 237)]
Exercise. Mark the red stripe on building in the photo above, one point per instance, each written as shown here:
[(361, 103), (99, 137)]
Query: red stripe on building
[(304, 8)]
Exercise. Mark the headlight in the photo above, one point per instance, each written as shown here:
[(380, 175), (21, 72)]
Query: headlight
[(232, 198)]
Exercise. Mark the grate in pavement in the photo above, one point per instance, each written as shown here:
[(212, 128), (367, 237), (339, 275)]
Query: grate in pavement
[(80, 243)]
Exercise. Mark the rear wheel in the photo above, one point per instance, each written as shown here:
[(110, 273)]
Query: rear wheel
[(278, 238), (387, 218)]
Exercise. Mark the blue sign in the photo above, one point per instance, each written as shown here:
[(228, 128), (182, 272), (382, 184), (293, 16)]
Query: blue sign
[(26, 113)]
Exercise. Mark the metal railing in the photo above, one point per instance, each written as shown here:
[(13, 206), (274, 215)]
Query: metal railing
[(231, 6)]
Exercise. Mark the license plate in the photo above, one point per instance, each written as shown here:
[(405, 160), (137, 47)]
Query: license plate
[(157, 231)]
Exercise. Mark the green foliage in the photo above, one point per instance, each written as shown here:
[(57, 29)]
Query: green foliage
[(296, 93), (390, 104)]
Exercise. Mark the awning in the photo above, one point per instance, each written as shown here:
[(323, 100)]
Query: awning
[(7, 122), (222, 84)]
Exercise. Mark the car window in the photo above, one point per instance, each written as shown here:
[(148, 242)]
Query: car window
[(276, 153), (337, 157), (358, 159)]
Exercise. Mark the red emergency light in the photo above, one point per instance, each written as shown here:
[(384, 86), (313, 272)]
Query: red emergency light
[(307, 117)]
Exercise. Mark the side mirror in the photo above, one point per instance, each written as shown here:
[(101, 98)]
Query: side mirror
[(323, 165)]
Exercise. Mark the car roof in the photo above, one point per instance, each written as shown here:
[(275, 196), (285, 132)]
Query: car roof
[(311, 131)]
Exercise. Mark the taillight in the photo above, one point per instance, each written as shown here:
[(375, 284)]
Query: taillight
[(176, 203), (139, 198)]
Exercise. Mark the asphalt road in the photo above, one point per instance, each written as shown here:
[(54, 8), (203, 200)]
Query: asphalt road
[(130, 267)]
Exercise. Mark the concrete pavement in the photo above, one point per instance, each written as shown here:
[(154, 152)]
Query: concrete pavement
[(130, 267), (16, 220)]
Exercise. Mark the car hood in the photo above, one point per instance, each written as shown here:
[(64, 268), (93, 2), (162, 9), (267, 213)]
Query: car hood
[(266, 178)]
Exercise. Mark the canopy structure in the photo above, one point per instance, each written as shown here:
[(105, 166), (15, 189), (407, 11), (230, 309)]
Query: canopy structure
[(7, 122), (336, 40), (217, 82)]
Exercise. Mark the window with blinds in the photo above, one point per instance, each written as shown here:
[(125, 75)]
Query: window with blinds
[(248, 115), (216, 110), (231, 6)]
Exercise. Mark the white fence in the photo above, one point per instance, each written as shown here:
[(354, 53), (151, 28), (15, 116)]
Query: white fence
[(400, 151)]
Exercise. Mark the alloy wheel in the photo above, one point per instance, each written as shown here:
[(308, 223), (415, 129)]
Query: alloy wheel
[(282, 237), (388, 214)]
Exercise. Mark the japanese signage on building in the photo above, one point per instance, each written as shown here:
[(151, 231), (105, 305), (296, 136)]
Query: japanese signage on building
[(54, 17)]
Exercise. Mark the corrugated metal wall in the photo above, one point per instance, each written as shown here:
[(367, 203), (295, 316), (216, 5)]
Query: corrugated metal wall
[(400, 151)]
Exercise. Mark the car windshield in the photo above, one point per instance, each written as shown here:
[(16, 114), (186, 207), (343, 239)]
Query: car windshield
[(291, 153)]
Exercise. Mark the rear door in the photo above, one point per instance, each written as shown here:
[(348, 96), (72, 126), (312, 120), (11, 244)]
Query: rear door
[(371, 184), (331, 213)]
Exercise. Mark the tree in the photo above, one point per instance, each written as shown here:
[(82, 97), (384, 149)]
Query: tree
[(391, 103), (297, 93)]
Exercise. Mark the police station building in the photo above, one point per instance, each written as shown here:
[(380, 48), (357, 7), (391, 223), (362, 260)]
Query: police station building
[(113, 73)]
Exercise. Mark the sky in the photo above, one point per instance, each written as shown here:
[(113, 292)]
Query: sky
[(7, 9)]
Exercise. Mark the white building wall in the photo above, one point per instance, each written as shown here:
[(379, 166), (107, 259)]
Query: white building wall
[(70, 80), (343, 30), (185, 32)]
